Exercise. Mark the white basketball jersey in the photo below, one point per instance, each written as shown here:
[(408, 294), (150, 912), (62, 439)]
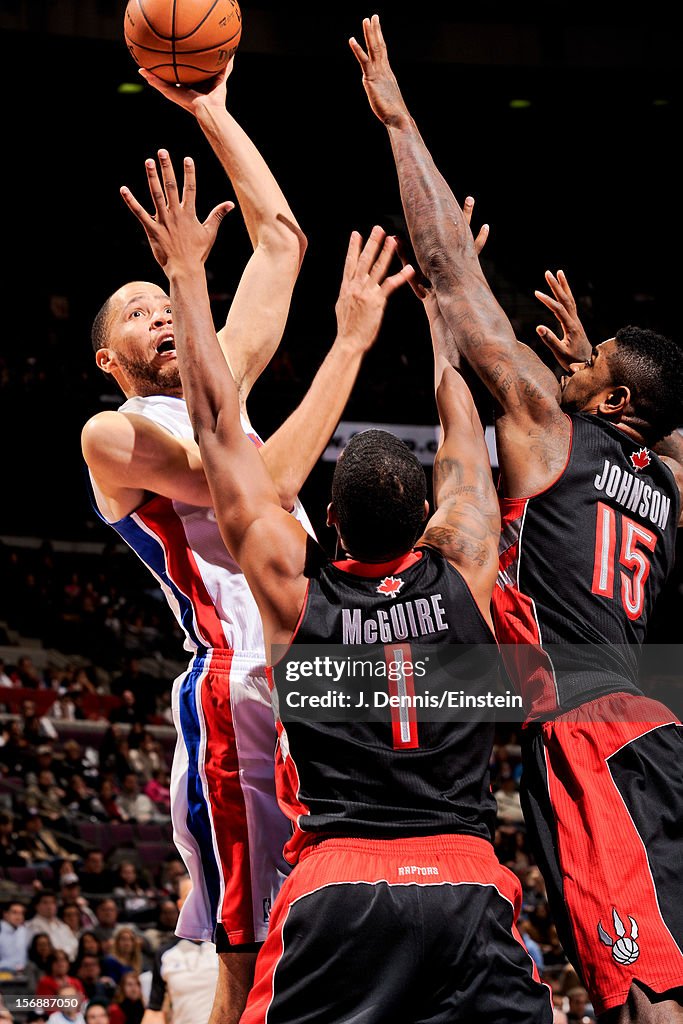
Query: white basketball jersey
[(182, 547)]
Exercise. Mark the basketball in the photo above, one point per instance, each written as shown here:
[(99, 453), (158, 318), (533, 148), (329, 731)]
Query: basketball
[(182, 41)]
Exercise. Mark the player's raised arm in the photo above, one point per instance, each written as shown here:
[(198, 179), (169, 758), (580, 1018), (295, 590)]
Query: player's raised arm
[(293, 450), (526, 390), (268, 544), (259, 310), (466, 524)]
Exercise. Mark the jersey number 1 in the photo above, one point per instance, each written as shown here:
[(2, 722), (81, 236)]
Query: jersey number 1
[(634, 537)]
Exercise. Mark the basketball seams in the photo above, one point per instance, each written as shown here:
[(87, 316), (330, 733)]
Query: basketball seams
[(173, 37), (182, 53)]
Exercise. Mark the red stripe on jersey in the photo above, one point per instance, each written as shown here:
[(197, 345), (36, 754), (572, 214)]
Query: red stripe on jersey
[(597, 841), (372, 570), (516, 623), (160, 517), (228, 810)]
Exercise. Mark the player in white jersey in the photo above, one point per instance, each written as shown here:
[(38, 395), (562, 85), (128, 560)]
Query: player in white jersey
[(149, 484)]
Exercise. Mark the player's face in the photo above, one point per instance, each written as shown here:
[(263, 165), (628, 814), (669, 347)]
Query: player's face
[(141, 337), (583, 390)]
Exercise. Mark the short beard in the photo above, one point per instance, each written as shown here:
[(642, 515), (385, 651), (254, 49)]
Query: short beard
[(151, 380)]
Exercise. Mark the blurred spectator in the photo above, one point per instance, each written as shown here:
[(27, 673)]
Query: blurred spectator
[(579, 1011), (108, 793), (89, 945), (39, 844), (44, 759), (107, 914), (89, 973), (16, 751), (133, 679), (126, 954), (172, 870), (10, 856), (132, 895), (533, 947), (14, 938), (70, 914), (134, 805), (127, 1006), (507, 798), (69, 1015), (146, 759), (77, 761), (83, 801), (57, 975), (45, 920), (46, 798), (37, 728), (159, 791), (128, 711), (95, 877), (65, 709), (39, 949), (70, 892), (97, 1013), (4, 678), (27, 675), (164, 930)]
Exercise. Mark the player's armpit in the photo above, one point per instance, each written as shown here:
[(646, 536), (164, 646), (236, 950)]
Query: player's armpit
[(127, 453)]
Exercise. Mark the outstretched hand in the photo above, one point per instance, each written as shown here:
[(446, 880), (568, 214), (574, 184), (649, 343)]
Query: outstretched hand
[(573, 347), (210, 93), (378, 78), (366, 288), (177, 238)]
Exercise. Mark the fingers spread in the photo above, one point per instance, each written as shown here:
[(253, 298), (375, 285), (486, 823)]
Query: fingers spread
[(134, 206), (168, 178), (383, 261), (190, 184), (155, 188), (359, 52), (352, 255), (371, 250), (397, 280)]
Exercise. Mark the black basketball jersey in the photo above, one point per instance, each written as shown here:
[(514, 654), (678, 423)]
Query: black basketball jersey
[(402, 775), (581, 566)]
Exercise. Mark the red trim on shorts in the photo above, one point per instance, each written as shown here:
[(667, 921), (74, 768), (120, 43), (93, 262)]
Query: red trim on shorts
[(419, 860), (226, 800), (602, 856)]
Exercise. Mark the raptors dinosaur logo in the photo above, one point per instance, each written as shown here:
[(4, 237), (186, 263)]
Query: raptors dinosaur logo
[(625, 949)]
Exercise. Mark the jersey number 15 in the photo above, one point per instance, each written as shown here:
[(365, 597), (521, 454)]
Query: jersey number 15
[(634, 537)]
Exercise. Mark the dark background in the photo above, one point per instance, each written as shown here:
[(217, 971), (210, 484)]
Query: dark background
[(584, 178)]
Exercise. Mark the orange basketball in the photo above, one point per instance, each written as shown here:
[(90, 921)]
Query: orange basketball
[(182, 41)]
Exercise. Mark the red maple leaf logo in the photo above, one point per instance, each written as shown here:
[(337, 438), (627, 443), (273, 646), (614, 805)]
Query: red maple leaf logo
[(641, 459), (390, 585)]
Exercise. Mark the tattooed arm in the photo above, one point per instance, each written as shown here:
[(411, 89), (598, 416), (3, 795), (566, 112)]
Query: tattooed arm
[(533, 434), (466, 525)]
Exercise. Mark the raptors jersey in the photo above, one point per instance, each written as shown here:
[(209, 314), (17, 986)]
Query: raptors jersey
[(402, 776), (182, 547), (581, 566)]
